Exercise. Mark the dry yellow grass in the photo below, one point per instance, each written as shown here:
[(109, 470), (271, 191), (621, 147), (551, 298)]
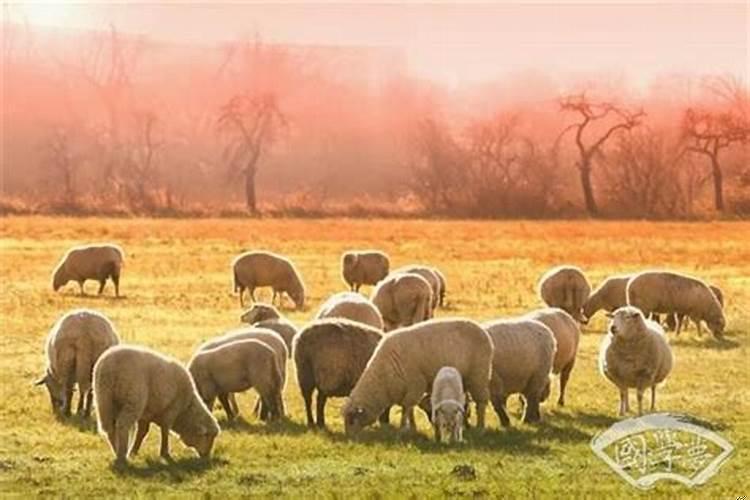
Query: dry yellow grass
[(176, 287)]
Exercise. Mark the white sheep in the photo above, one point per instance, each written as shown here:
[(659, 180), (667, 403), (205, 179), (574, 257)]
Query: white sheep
[(448, 401), (258, 269), (429, 274), (267, 316), (353, 306), (73, 346), (364, 267), (565, 287), (137, 385), (609, 295), (89, 262), (635, 353), (403, 300)]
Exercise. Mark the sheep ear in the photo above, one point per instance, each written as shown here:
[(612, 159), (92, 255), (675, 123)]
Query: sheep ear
[(41, 381)]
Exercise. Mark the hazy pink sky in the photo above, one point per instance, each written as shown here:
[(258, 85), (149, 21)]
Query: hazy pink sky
[(458, 42)]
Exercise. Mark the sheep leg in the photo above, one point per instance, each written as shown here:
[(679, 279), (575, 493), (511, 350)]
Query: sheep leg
[(164, 449), (384, 418), (89, 403), (224, 400), (123, 424), (698, 325), (564, 376), (679, 325), (639, 395), (242, 296), (407, 419), (653, 398), (233, 402), (140, 435), (101, 286), (81, 400), (623, 401), (83, 376), (498, 403), (531, 414), (273, 298), (438, 436), (307, 396), (116, 280), (68, 397), (80, 286), (320, 409)]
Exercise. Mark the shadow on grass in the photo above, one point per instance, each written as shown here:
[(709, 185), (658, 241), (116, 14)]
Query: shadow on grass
[(78, 422), (173, 470), (284, 426), (704, 342)]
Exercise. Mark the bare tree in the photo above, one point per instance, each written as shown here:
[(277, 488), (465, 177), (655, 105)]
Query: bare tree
[(141, 163), (61, 159), (251, 123), (592, 113)]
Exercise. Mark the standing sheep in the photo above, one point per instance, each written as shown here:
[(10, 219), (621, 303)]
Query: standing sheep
[(137, 385), (430, 275), (659, 292), (635, 353), (353, 306), (237, 367), (73, 346), (672, 322), (403, 300), (267, 316), (406, 362), (257, 269), (522, 362), (447, 401), (90, 262), (565, 287), (610, 295), (330, 356), (567, 336), (364, 267)]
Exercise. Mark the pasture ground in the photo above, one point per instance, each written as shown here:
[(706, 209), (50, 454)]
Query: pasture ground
[(176, 287)]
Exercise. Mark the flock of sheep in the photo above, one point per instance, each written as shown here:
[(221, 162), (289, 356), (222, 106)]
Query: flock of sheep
[(378, 352)]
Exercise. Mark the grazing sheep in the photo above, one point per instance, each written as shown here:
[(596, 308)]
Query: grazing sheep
[(441, 278), (90, 262), (364, 267), (522, 362), (257, 269), (73, 346), (659, 292), (265, 335), (267, 316), (137, 385), (237, 367), (429, 274), (565, 287), (635, 353), (567, 335), (672, 322), (609, 295), (403, 299), (330, 356), (404, 365), (353, 306), (447, 401)]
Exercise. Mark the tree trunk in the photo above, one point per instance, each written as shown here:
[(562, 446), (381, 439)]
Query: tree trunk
[(588, 192), (718, 184), (250, 201)]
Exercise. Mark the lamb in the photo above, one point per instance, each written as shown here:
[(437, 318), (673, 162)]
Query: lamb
[(523, 359), (656, 292), (404, 366), (635, 353), (330, 356), (429, 274), (447, 401), (353, 306), (672, 322), (137, 385), (567, 335), (364, 267), (267, 316), (565, 287), (609, 295), (90, 262), (268, 337), (258, 269), (236, 367), (403, 299), (73, 346)]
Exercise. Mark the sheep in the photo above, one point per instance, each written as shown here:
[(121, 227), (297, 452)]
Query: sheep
[(634, 353), (257, 269), (441, 279), (89, 262), (364, 267), (402, 299), (522, 361), (236, 367), (330, 356), (609, 295), (429, 274), (137, 385), (353, 306), (655, 292), (672, 321), (73, 345), (447, 401), (267, 316), (567, 336), (405, 363), (565, 287), (265, 335)]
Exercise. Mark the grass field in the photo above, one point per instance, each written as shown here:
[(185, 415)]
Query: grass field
[(176, 286)]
